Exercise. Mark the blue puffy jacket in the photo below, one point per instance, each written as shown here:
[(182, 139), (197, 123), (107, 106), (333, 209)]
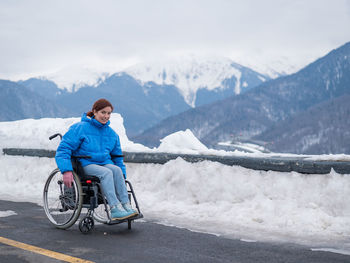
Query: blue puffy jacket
[(92, 138)]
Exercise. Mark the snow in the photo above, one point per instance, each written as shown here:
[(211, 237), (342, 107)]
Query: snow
[(330, 157), (75, 77), (188, 73), (34, 133), (7, 213), (248, 147), (229, 201), (183, 142), (270, 66)]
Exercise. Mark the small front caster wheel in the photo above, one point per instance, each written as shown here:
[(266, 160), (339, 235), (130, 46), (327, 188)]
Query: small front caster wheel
[(86, 224)]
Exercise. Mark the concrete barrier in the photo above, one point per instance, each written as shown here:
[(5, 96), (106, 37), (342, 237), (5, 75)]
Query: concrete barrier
[(280, 164)]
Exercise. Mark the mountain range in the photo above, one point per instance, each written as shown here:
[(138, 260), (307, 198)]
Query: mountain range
[(18, 102), (220, 101), (199, 80), (143, 95), (322, 129), (265, 112)]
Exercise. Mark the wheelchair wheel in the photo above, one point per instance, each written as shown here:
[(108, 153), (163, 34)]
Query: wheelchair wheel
[(62, 205), (86, 225)]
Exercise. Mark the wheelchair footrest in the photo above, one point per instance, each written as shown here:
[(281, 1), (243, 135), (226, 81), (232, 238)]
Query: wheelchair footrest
[(114, 222)]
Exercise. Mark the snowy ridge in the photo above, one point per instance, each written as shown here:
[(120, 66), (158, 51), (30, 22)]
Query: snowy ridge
[(270, 66), (74, 77), (189, 74)]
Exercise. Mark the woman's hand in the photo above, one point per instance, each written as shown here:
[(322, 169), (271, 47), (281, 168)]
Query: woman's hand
[(68, 178)]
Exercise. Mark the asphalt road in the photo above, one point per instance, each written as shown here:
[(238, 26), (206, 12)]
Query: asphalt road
[(145, 242)]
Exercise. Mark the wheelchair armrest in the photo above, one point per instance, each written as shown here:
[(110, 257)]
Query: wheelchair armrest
[(81, 156), (117, 155)]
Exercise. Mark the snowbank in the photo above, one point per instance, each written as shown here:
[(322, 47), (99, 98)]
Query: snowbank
[(214, 198), (34, 133), (182, 142), (243, 203)]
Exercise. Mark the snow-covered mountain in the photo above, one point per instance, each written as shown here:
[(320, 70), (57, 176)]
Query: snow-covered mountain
[(187, 72), (73, 78), (271, 67), (146, 93), (261, 109), (195, 77), (190, 74)]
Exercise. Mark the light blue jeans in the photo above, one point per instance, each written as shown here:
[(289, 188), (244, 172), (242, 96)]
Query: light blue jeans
[(112, 182)]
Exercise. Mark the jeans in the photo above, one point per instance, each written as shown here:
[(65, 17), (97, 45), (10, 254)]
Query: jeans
[(112, 182)]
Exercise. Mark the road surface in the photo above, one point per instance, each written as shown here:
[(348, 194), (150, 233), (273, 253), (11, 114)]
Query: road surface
[(29, 237)]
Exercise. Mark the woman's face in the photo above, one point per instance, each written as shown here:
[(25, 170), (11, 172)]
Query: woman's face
[(103, 115)]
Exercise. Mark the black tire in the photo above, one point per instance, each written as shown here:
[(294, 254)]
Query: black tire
[(86, 224), (62, 205)]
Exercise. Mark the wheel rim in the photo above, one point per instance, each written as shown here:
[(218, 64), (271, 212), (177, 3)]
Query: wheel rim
[(62, 205)]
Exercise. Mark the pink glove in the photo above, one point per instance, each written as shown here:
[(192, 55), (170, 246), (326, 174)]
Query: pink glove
[(68, 178)]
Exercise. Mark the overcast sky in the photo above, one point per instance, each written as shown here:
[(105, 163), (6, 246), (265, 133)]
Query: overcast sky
[(37, 37)]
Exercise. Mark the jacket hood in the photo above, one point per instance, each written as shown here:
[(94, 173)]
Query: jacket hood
[(93, 121)]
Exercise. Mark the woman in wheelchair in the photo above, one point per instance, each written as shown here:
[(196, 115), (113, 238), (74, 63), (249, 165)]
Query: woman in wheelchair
[(94, 137)]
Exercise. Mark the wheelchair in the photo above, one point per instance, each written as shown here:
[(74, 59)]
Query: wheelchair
[(63, 205)]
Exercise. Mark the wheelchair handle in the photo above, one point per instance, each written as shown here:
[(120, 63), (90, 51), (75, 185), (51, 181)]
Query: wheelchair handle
[(117, 155), (55, 135)]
